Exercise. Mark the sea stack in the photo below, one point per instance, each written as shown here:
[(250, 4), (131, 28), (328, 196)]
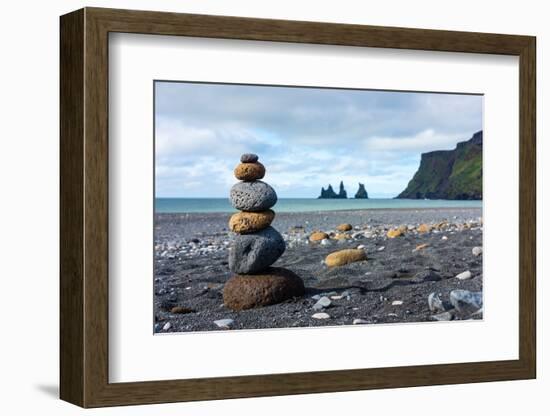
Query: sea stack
[(257, 245)]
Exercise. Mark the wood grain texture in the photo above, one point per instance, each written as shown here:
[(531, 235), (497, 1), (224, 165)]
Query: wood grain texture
[(71, 184), (84, 206)]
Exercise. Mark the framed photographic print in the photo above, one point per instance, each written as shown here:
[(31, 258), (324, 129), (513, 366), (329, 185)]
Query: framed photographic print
[(255, 207)]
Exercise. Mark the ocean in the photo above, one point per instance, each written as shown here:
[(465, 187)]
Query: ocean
[(178, 205)]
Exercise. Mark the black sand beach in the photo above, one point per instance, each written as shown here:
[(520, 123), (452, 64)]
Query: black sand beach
[(392, 286)]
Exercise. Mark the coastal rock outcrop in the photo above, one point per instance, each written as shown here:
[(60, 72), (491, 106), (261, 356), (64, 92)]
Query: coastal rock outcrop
[(449, 174), (361, 192), (257, 244), (330, 194)]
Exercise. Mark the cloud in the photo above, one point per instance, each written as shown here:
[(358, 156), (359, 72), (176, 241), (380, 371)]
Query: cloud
[(306, 137), (423, 141)]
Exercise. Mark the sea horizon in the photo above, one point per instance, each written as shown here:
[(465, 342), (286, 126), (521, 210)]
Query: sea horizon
[(222, 205)]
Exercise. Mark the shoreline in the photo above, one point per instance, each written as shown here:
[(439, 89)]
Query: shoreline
[(301, 205), (191, 267)]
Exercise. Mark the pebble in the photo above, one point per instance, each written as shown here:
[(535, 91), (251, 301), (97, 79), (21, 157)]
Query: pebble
[(344, 227), (249, 158), (360, 321), (381, 248), (320, 315), (444, 238), (337, 297), (421, 247), (434, 303), (318, 236), (316, 297), (394, 233), (397, 302), (424, 228), (342, 257), (444, 316), (224, 323), (322, 303), (325, 242), (426, 276), (181, 310), (464, 275), (167, 326), (360, 247), (466, 301), (476, 251)]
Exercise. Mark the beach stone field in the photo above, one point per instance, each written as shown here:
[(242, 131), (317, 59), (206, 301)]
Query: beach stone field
[(358, 267)]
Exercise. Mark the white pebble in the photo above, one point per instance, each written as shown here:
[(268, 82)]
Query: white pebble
[(381, 248), (444, 238), (167, 326), (476, 251), (360, 247), (360, 321), (464, 275), (397, 302), (320, 315), (337, 297), (224, 323)]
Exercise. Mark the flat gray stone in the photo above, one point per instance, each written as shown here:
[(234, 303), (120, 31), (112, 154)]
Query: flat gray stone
[(322, 303), (426, 276), (252, 196), (253, 253), (445, 316), (466, 302), (249, 158)]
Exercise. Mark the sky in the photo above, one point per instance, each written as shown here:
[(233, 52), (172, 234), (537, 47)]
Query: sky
[(305, 137)]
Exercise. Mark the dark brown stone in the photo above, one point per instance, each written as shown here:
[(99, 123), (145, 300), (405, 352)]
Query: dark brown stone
[(181, 310), (274, 285)]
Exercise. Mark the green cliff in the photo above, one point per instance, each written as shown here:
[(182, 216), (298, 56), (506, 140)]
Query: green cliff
[(449, 174)]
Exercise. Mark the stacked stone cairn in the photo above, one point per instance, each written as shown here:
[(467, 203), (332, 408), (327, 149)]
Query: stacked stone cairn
[(257, 245)]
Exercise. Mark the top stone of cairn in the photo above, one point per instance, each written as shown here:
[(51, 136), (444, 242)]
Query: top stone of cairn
[(249, 158)]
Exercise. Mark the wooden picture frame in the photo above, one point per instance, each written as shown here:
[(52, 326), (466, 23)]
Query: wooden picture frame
[(84, 207)]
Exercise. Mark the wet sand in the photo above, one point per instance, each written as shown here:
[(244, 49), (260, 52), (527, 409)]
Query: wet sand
[(191, 268)]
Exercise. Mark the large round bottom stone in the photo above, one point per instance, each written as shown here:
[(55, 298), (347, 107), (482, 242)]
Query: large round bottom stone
[(274, 285)]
